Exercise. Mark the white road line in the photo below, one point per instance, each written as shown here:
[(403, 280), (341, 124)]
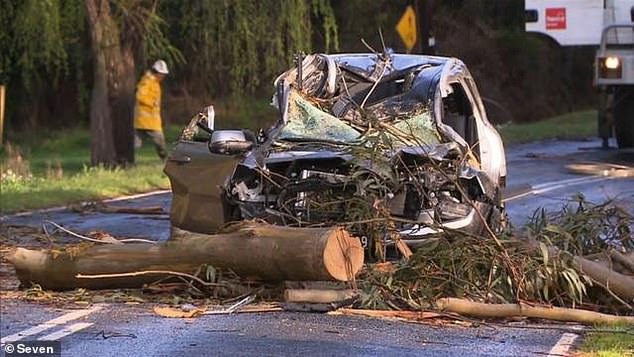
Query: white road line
[(52, 323), (567, 181), (65, 331), (554, 185), (558, 186), (562, 347)]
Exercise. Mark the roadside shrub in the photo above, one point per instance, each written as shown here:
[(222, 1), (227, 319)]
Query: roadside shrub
[(15, 167)]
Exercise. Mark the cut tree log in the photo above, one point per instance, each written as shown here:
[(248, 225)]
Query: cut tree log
[(252, 250), (477, 309)]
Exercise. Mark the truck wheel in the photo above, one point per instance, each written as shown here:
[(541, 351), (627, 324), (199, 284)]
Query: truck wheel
[(624, 117)]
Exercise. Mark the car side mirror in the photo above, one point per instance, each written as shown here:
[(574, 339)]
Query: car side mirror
[(229, 142)]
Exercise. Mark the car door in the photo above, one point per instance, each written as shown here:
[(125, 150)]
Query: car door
[(492, 156), (197, 177)]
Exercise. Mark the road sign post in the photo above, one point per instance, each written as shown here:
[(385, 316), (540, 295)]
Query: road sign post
[(425, 14)]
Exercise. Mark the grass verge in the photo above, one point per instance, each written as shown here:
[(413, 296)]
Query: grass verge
[(577, 125), (54, 170), (609, 341)]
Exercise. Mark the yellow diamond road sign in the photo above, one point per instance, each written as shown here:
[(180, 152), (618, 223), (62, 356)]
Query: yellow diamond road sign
[(406, 27)]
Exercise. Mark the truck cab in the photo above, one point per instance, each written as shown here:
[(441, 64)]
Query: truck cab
[(608, 24)]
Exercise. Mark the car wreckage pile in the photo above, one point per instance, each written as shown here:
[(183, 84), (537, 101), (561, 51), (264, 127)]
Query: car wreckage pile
[(359, 146), (358, 158)]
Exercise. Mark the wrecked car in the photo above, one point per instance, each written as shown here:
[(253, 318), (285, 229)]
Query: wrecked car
[(380, 140)]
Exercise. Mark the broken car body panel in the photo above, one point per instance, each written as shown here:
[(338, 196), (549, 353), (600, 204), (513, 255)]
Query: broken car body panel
[(197, 177), (308, 169)]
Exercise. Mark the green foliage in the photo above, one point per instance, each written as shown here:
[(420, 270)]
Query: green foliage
[(460, 265), (143, 29), (322, 9), (584, 228), (239, 46), (35, 32)]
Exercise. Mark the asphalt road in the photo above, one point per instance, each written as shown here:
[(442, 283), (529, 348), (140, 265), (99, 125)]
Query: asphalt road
[(538, 177)]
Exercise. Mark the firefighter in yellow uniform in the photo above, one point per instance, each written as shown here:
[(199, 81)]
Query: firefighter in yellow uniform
[(147, 110)]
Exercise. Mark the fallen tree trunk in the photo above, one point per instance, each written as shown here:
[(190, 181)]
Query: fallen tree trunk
[(619, 284), (257, 251), (470, 308), (626, 260)]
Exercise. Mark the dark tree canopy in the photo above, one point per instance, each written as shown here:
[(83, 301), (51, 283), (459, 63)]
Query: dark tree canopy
[(235, 48)]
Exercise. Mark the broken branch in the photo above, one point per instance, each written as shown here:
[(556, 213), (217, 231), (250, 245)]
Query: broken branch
[(470, 308)]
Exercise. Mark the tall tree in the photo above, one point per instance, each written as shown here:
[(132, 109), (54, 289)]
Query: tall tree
[(239, 46), (113, 89)]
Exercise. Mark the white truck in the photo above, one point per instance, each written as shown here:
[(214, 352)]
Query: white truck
[(608, 24)]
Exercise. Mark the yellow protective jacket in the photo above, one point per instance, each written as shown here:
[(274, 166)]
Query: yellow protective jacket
[(147, 110)]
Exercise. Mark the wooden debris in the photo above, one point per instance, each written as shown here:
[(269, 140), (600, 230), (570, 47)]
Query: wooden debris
[(477, 309), (384, 267), (131, 210), (241, 306), (317, 296), (270, 253), (178, 313), (388, 314)]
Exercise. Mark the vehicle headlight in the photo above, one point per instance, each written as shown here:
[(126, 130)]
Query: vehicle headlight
[(612, 62), (610, 67)]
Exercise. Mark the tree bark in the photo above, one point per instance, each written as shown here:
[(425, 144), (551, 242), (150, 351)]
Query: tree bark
[(111, 125), (256, 251), (470, 308), (619, 284), (122, 94)]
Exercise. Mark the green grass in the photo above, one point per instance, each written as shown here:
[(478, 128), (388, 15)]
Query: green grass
[(609, 341), (46, 152), (577, 125), (76, 181)]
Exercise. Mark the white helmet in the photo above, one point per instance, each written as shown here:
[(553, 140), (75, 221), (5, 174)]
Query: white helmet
[(160, 67)]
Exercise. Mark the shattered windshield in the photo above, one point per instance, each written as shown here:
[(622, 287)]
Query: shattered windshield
[(307, 122)]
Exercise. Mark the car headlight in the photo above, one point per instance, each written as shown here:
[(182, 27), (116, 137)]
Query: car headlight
[(612, 62)]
